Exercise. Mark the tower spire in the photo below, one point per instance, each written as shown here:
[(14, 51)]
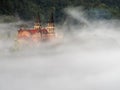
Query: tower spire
[(37, 24), (38, 18), (51, 18), (51, 25)]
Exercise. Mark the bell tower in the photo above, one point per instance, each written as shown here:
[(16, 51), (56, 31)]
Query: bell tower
[(37, 24), (51, 26)]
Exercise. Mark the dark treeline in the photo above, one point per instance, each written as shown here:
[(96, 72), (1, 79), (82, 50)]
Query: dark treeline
[(27, 9)]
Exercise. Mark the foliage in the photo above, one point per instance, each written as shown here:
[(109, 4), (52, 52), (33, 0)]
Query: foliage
[(28, 9), (7, 19)]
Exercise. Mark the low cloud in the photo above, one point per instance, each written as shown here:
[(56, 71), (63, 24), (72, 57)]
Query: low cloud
[(87, 58)]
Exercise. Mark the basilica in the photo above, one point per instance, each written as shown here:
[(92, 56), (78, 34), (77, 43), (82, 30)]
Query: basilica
[(38, 33)]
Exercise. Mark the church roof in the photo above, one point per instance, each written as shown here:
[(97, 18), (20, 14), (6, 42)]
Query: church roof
[(33, 31)]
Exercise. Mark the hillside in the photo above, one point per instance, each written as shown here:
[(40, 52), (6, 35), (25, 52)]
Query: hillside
[(28, 9)]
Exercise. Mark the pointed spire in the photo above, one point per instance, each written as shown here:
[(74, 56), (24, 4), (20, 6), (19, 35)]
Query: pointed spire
[(38, 18), (51, 18), (37, 24)]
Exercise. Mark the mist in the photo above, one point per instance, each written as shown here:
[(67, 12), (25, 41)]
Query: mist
[(86, 58)]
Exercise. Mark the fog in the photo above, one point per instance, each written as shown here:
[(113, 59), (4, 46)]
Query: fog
[(86, 58)]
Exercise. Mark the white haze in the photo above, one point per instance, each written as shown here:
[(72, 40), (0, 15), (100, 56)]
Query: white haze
[(88, 58)]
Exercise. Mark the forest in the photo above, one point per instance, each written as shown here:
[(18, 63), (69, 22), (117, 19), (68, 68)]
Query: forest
[(28, 9)]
